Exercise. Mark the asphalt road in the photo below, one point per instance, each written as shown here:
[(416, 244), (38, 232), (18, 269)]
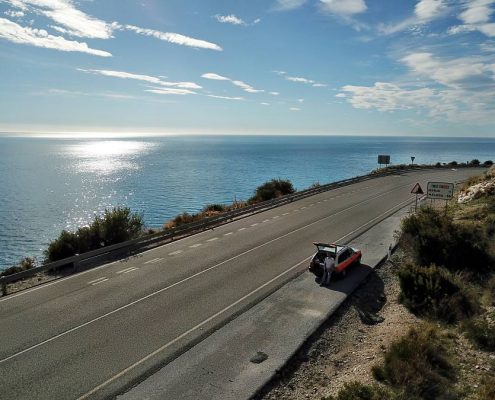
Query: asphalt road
[(95, 333)]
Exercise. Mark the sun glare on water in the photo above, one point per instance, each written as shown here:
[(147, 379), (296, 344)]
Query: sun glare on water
[(107, 156)]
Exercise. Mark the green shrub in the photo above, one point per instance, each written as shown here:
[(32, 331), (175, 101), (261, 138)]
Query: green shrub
[(358, 391), (453, 163), (487, 388), (433, 238), (418, 364), (25, 264), (114, 226), (481, 333), (436, 293), (271, 190), (474, 162), (488, 163), (214, 208)]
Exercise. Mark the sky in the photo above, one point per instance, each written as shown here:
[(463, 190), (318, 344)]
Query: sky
[(340, 67)]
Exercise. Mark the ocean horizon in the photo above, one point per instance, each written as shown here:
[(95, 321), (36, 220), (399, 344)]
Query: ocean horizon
[(50, 183)]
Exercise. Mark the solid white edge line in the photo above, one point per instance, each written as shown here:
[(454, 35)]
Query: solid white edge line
[(59, 280), (204, 322), (189, 278)]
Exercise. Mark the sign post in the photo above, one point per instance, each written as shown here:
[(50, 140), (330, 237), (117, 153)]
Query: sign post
[(412, 160), (383, 159), (417, 190)]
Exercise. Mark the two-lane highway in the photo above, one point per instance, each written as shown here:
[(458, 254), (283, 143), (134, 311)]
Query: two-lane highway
[(94, 333)]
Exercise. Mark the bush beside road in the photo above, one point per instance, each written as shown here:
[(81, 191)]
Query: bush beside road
[(438, 311)]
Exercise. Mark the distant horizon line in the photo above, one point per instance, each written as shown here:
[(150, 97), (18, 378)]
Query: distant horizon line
[(46, 134)]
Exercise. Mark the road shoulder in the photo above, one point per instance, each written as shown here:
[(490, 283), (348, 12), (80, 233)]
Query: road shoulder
[(240, 358)]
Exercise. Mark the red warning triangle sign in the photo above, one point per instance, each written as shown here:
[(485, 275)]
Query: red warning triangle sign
[(417, 189)]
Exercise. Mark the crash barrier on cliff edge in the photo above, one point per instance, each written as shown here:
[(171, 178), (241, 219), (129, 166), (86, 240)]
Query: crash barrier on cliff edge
[(156, 239)]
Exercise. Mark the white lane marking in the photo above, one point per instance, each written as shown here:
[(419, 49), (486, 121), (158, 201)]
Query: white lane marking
[(195, 245), (266, 220), (101, 281), (155, 260), (92, 270), (205, 271), (96, 280), (303, 208), (256, 223), (319, 202), (175, 252), (212, 239), (276, 216), (123, 271), (285, 213), (194, 328), (227, 234), (311, 205), (241, 229), (130, 270)]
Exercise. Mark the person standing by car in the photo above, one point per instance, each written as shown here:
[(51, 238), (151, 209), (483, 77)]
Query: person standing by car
[(328, 268)]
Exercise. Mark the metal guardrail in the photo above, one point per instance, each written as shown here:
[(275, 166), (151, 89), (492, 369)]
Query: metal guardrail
[(184, 230)]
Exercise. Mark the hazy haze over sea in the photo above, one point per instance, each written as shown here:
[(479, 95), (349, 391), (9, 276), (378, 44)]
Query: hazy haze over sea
[(49, 184)]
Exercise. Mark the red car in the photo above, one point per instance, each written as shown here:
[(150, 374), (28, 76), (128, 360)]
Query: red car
[(344, 257)]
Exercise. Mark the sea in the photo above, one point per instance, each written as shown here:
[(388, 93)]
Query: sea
[(48, 184)]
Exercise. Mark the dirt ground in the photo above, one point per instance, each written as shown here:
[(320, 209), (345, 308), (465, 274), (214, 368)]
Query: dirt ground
[(354, 339)]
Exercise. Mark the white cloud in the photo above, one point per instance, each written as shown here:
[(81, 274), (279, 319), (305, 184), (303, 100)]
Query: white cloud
[(167, 91), (214, 77), (243, 85), (299, 79), (66, 14), (345, 8), (294, 109), (265, 104), (144, 78), (274, 93), (477, 12), (453, 104), (247, 88), (225, 97), (230, 19), (14, 14), (286, 5), (427, 10), (448, 72), (319, 85), (175, 38), (476, 17), (40, 38)]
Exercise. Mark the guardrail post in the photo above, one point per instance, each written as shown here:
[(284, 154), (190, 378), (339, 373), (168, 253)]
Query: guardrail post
[(75, 266), (4, 289)]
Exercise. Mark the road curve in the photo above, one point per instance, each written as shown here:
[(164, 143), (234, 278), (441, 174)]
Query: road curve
[(97, 332)]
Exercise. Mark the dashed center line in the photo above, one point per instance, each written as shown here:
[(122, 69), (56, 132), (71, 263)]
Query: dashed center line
[(101, 280), (126, 271), (276, 216), (256, 223), (195, 245), (155, 260), (303, 208), (285, 214), (212, 239), (241, 229), (266, 220), (227, 234), (175, 252), (97, 280)]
